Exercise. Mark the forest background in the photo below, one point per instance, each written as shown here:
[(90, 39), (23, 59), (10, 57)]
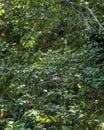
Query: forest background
[(51, 65)]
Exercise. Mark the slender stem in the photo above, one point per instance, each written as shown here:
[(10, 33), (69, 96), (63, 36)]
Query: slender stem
[(60, 117), (60, 123)]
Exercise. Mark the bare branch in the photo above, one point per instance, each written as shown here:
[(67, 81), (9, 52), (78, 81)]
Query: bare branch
[(87, 7), (79, 15)]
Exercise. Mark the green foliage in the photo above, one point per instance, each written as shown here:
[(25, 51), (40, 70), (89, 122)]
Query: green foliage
[(37, 37)]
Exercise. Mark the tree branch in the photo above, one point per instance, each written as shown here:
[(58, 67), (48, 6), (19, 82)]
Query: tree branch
[(79, 15), (48, 115), (87, 7)]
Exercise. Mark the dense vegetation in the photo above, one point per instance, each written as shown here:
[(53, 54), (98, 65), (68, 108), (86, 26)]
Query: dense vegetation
[(37, 37)]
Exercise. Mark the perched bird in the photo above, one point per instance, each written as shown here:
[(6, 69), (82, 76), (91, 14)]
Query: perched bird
[(54, 74)]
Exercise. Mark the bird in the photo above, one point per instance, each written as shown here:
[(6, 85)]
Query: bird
[(54, 74)]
